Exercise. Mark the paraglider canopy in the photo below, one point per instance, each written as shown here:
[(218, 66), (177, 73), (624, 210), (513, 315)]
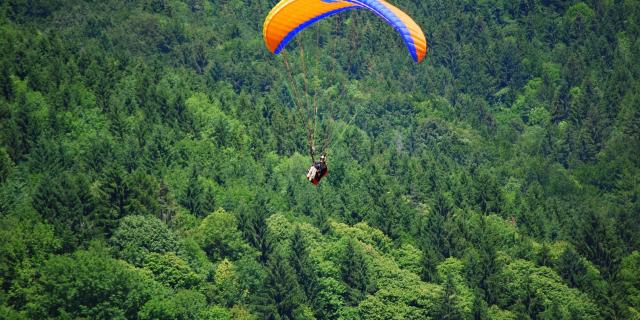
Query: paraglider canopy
[(289, 17)]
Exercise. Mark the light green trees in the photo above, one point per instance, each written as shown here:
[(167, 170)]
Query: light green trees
[(219, 237), (27, 244), (227, 290), (214, 124), (137, 236), (183, 305), (529, 290), (629, 286), (90, 284), (457, 299), (171, 270)]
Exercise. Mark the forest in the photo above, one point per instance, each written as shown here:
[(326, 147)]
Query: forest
[(153, 160)]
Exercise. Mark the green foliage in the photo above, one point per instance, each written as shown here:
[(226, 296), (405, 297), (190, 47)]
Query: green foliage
[(498, 314), (121, 194), (496, 180), (354, 272), (281, 297), (27, 243), (458, 298), (184, 304), (6, 165), (629, 286), (529, 290), (302, 265), (64, 201), (227, 289), (171, 270), (219, 236), (137, 236), (193, 197), (408, 257), (90, 284), (214, 124)]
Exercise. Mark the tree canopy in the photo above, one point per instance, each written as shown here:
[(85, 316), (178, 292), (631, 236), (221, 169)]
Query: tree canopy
[(153, 160)]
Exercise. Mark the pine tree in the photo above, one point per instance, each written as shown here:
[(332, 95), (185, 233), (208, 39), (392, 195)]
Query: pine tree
[(255, 231), (5, 165), (113, 197), (598, 241), (354, 272), (488, 195), (302, 265), (571, 267), (281, 296), (449, 303), (429, 263), (544, 257), (192, 197), (65, 202)]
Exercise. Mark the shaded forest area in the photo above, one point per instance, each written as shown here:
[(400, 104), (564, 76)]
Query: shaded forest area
[(152, 163)]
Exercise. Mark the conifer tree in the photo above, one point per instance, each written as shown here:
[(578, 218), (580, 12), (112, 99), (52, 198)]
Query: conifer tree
[(354, 272), (281, 296), (65, 202), (192, 197), (302, 265)]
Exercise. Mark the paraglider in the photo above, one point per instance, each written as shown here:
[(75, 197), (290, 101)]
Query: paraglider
[(318, 170), (289, 17)]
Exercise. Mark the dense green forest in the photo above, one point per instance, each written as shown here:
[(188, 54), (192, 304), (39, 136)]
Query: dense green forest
[(152, 163)]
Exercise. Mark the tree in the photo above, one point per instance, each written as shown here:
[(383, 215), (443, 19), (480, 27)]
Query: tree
[(144, 194), (113, 113), (627, 287), (28, 242), (29, 116), (281, 297), (137, 236), (458, 299), (219, 236), (5, 165), (193, 197), (488, 194), (450, 301), (256, 232), (183, 305), (171, 270), (63, 200), (303, 266), (429, 261), (98, 287), (529, 291), (354, 272), (544, 257), (113, 194), (479, 310), (597, 240), (227, 289), (571, 268)]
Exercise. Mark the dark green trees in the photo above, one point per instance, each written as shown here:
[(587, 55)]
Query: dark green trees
[(354, 272), (281, 297), (64, 201), (303, 267)]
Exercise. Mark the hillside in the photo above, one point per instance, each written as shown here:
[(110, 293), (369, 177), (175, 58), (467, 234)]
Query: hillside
[(153, 160)]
